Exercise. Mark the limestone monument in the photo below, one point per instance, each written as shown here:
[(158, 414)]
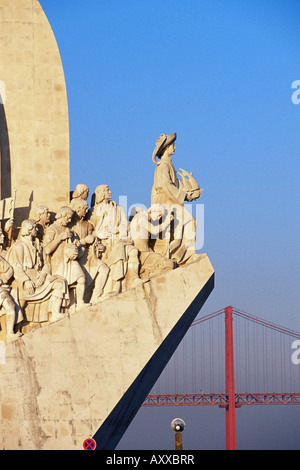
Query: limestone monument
[(34, 121), (92, 303)]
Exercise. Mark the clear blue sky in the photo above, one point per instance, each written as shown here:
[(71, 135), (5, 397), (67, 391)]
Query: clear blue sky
[(219, 74)]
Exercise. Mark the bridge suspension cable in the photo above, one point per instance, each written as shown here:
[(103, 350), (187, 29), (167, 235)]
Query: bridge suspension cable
[(264, 373)]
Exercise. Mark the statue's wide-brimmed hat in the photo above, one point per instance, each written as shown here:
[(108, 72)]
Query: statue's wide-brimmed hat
[(162, 143)]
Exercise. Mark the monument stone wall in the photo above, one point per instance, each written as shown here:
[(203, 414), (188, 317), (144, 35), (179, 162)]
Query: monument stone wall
[(92, 305), (88, 374), (34, 121)]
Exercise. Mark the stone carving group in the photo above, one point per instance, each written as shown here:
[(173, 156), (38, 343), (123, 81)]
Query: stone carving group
[(89, 254)]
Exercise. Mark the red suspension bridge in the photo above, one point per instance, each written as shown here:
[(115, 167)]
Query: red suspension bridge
[(231, 358)]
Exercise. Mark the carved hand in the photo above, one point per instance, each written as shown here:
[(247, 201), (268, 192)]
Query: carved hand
[(41, 280), (192, 195), (197, 193), (29, 286), (8, 225), (189, 196), (65, 235), (89, 239)]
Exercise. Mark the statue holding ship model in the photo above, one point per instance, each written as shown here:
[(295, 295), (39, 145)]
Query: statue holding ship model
[(98, 251), (171, 193)]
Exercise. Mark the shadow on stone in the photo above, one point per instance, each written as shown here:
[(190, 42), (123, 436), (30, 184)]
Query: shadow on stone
[(5, 183)]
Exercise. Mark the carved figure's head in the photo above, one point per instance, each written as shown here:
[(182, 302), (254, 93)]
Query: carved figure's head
[(28, 227), (80, 206), (43, 214), (81, 191), (102, 193), (64, 215), (162, 143)]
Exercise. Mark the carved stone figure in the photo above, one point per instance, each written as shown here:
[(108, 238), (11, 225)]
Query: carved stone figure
[(7, 304), (6, 234), (81, 191), (7, 208), (32, 279), (146, 225), (95, 270), (168, 192), (42, 221), (112, 229), (63, 258)]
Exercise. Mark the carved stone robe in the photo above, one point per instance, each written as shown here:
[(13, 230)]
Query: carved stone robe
[(6, 272), (27, 263), (112, 228), (67, 268), (165, 188), (88, 260), (165, 191)]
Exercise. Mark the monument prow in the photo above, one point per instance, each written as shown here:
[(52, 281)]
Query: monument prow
[(88, 374)]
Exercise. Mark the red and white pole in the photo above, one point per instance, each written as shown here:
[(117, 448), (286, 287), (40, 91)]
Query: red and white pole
[(229, 382)]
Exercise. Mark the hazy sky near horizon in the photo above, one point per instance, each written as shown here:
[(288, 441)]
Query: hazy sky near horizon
[(220, 75)]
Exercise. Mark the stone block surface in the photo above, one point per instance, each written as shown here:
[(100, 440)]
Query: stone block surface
[(87, 374), (34, 119)]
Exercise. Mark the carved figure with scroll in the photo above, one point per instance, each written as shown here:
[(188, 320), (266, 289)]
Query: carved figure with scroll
[(33, 283), (63, 248), (95, 270), (112, 229), (168, 191)]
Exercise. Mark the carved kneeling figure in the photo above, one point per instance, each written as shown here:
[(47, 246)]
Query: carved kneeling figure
[(32, 281), (74, 274)]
